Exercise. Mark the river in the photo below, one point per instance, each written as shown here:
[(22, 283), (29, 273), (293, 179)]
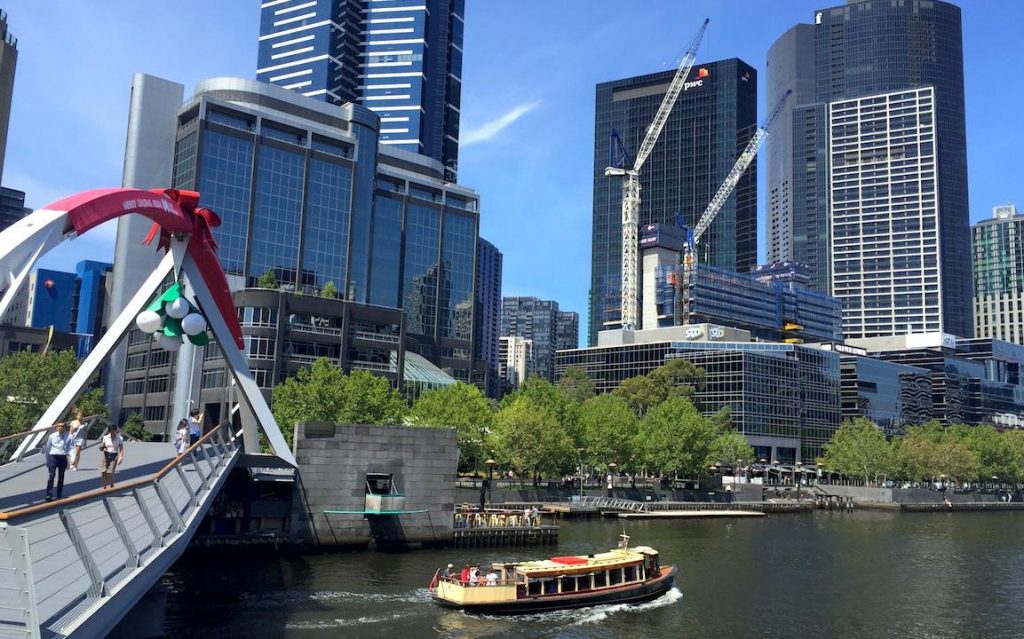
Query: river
[(864, 574)]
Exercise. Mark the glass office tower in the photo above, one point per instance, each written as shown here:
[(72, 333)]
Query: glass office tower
[(998, 251), (401, 59), (712, 121), (864, 52)]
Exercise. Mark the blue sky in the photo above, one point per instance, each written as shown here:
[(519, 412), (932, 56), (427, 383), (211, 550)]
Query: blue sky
[(530, 67)]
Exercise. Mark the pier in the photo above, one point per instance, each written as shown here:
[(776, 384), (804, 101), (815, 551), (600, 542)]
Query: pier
[(487, 537)]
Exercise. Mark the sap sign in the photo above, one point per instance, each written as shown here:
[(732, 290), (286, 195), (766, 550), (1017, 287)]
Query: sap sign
[(693, 332)]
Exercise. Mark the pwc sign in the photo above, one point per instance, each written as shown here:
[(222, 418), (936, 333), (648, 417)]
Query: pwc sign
[(698, 80)]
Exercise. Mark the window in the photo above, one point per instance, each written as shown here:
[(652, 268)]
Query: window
[(600, 579), (153, 413), (213, 378)]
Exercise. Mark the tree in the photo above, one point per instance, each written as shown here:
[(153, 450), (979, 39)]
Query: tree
[(527, 435), (858, 449), (575, 385), (267, 280), (677, 378), (1015, 441), (732, 448), (995, 455), (676, 439), (462, 407), (134, 428), (30, 381), (329, 291), (322, 393), (609, 430), (931, 452), (543, 393)]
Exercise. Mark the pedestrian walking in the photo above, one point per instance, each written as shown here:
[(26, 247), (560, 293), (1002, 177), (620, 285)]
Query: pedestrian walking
[(79, 431), (58, 447), (195, 425), (182, 438), (112, 449)]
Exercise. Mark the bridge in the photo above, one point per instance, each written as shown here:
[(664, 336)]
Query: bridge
[(76, 566)]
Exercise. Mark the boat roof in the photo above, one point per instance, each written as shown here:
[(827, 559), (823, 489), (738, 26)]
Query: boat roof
[(581, 562)]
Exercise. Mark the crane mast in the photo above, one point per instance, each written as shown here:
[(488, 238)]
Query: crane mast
[(631, 184), (716, 204)]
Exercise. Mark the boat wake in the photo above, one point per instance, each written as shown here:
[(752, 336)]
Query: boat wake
[(600, 613), (342, 623), (292, 598)]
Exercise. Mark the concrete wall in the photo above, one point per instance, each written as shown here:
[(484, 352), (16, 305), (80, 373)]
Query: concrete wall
[(334, 460)]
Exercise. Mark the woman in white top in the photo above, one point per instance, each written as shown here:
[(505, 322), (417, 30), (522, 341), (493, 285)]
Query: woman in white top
[(181, 438), (79, 430), (112, 449)]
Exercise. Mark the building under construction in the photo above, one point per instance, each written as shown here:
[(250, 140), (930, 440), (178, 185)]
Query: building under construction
[(770, 303)]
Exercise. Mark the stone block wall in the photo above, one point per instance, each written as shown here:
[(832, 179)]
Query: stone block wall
[(334, 460)]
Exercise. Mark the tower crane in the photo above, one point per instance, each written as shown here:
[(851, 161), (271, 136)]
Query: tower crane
[(631, 184), (715, 205)]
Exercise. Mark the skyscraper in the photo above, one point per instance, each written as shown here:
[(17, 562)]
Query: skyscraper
[(535, 320), (998, 252), (878, 165), (401, 59), (567, 330), (713, 119), (8, 63), (487, 329)]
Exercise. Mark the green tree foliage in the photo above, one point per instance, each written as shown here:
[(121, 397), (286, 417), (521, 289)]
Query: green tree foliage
[(674, 438), (575, 385), (267, 280), (994, 454), (858, 449), (609, 430), (134, 428), (732, 448), (462, 407), (322, 393), (543, 393), (528, 436), (330, 291), (30, 381), (931, 452), (677, 378), (1015, 440)]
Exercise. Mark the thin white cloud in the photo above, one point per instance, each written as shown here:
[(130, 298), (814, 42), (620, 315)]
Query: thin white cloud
[(488, 130)]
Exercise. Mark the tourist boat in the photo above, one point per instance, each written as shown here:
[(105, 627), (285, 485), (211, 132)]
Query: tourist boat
[(621, 575)]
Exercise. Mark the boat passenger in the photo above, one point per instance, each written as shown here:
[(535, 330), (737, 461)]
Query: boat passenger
[(474, 576), (492, 578), (448, 572), (464, 576)]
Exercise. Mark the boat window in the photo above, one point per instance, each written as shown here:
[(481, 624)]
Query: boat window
[(614, 576), (568, 584), (535, 587), (600, 579), (550, 586), (630, 573)]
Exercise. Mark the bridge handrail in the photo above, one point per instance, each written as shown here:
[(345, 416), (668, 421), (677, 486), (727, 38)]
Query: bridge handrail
[(11, 515)]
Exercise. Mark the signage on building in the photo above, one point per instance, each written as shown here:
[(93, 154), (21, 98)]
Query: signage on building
[(717, 332), (694, 332), (698, 81)]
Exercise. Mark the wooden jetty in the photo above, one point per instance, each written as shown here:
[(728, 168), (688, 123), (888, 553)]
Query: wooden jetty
[(488, 537), (689, 514)]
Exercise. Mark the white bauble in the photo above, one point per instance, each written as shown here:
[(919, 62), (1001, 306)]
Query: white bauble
[(149, 322), (168, 342), (177, 308), (193, 324)]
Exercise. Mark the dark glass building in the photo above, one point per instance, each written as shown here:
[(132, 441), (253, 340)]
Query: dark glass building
[(8, 64), (891, 395), (878, 158), (12, 207), (487, 329), (709, 126), (567, 330), (784, 398), (401, 59), (997, 247)]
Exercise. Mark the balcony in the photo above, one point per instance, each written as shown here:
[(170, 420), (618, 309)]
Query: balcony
[(372, 366), (382, 338), (316, 330)]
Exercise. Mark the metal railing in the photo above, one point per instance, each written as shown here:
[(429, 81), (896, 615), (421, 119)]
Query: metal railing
[(36, 440), (384, 338), (61, 561)]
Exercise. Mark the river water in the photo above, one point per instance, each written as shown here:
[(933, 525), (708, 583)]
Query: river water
[(864, 574)]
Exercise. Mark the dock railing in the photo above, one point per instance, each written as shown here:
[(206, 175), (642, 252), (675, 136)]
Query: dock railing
[(61, 562)]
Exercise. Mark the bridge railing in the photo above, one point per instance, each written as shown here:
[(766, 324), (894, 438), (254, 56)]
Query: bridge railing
[(8, 443), (60, 561)]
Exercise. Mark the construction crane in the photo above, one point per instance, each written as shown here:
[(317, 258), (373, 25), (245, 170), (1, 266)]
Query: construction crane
[(631, 185), (689, 261)]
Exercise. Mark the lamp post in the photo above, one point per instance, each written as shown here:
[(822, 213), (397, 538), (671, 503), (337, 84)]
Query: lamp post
[(775, 467), (800, 479), (611, 477), (579, 452), (490, 476)]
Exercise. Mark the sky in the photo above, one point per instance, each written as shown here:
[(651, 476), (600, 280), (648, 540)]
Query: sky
[(529, 73)]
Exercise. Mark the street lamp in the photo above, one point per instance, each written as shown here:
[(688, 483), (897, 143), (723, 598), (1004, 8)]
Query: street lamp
[(799, 480), (490, 476), (611, 477), (775, 467), (579, 452)]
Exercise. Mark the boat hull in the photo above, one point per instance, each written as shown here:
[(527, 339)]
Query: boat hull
[(633, 593)]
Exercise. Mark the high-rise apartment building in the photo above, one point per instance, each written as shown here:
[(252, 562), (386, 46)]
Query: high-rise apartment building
[(402, 59), (8, 63), (998, 252), (713, 119), (487, 321), (535, 320), (877, 162)]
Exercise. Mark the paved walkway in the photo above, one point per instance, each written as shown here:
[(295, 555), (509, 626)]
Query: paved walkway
[(23, 483)]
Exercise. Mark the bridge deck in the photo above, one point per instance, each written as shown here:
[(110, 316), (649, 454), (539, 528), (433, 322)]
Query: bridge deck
[(23, 483)]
